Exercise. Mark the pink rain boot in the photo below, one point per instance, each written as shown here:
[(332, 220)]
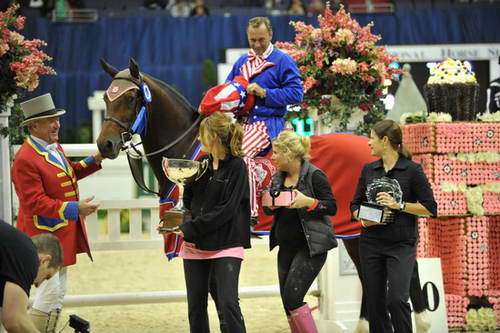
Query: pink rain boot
[(303, 320), (293, 327)]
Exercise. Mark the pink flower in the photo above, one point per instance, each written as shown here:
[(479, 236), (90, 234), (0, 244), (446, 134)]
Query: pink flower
[(344, 35), (309, 83), (16, 37), (344, 66), (339, 54), (319, 58), (4, 47), (363, 66), (25, 61)]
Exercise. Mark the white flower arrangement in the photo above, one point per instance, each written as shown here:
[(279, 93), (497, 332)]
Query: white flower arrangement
[(412, 117), (453, 187), (474, 197), (490, 156), (438, 117), (422, 117), (493, 187), (481, 319), (489, 116)]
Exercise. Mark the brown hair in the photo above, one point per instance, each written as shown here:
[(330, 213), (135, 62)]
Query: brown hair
[(49, 244), (255, 22), (229, 134), (293, 145), (392, 131)]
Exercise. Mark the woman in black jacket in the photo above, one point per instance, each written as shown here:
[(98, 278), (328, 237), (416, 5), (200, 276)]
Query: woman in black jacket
[(219, 227), (388, 250), (302, 230)]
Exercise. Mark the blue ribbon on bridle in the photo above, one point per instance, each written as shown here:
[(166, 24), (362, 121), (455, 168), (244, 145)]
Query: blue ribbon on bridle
[(141, 121)]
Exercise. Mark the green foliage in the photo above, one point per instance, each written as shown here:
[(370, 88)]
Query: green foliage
[(16, 133), (80, 134)]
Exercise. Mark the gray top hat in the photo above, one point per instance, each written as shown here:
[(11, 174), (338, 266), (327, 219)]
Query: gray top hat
[(38, 108)]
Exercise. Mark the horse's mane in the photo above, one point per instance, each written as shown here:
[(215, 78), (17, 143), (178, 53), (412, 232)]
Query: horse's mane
[(181, 100)]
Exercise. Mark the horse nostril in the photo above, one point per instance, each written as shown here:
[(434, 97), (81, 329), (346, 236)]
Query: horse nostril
[(108, 145)]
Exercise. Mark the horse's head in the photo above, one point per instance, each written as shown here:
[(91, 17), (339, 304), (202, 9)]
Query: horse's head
[(123, 100)]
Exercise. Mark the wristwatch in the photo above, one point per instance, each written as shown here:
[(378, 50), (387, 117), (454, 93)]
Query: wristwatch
[(402, 205)]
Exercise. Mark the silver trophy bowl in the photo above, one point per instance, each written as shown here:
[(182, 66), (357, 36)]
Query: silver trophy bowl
[(181, 172)]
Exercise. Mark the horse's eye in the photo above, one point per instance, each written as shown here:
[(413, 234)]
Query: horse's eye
[(130, 99)]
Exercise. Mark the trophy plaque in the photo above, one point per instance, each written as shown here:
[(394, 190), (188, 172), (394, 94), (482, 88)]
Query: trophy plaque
[(181, 172), (371, 212)]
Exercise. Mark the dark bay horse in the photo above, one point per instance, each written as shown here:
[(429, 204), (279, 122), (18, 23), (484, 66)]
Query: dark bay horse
[(170, 119)]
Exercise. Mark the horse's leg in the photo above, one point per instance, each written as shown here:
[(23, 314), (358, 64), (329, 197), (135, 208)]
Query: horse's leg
[(352, 247)]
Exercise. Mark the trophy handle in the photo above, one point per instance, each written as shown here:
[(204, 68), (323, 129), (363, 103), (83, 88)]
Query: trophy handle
[(202, 169), (164, 165)]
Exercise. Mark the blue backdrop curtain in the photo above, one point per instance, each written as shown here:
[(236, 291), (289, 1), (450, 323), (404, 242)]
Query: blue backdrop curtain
[(173, 49)]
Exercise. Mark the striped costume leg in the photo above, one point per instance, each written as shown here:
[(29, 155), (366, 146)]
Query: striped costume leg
[(255, 140)]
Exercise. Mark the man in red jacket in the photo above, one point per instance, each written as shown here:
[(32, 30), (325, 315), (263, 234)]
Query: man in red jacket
[(46, 184)]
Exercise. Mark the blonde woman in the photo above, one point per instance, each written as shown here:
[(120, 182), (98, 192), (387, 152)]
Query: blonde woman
[(219, 229), (302, 230)]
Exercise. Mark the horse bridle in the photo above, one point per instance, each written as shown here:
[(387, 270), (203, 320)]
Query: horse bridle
[(127, 134)]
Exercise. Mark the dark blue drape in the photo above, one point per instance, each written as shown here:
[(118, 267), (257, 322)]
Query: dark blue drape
[(173, 49)]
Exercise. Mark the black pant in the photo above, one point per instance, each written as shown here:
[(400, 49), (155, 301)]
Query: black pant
[(416, 295), (387, 269), (296, 272), (352, 248), (224, 272)]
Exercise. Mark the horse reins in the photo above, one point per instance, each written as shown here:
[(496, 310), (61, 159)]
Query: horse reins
[(134, 163), (141, 103)]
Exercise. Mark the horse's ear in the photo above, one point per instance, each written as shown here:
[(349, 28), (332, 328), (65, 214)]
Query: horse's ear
[(108, 68), (134, 68)]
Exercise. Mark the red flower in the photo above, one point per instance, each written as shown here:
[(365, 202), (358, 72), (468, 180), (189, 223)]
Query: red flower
[(363, 106)]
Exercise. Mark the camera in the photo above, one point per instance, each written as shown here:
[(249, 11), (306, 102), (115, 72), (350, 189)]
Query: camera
[(79, 324), (278, 198)]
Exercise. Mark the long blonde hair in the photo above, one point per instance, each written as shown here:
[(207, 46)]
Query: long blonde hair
[(228, 134), (293, 145)]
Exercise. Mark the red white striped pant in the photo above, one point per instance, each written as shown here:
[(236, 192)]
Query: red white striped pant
[(255, 140)]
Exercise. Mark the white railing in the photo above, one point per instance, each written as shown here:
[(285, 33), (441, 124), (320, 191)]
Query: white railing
[(136, 239)]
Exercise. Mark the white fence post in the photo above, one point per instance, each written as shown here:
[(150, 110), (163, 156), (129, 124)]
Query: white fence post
[(97, 106), (5, 183)]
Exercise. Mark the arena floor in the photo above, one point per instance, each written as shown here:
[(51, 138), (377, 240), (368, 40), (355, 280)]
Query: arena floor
[(148, 270)]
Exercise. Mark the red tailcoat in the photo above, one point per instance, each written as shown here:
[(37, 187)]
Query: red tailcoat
[(48, 196)]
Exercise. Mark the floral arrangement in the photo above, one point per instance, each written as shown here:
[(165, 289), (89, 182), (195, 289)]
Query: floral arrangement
[(21, 64), (421, 117), (489, 116), (481, 319), (342, 69)]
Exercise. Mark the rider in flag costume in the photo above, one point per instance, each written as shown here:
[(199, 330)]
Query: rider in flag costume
[(274, 82)]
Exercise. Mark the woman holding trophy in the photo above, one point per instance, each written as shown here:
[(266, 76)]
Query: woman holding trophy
[(218, 228), (391, 193), (301, 200)]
